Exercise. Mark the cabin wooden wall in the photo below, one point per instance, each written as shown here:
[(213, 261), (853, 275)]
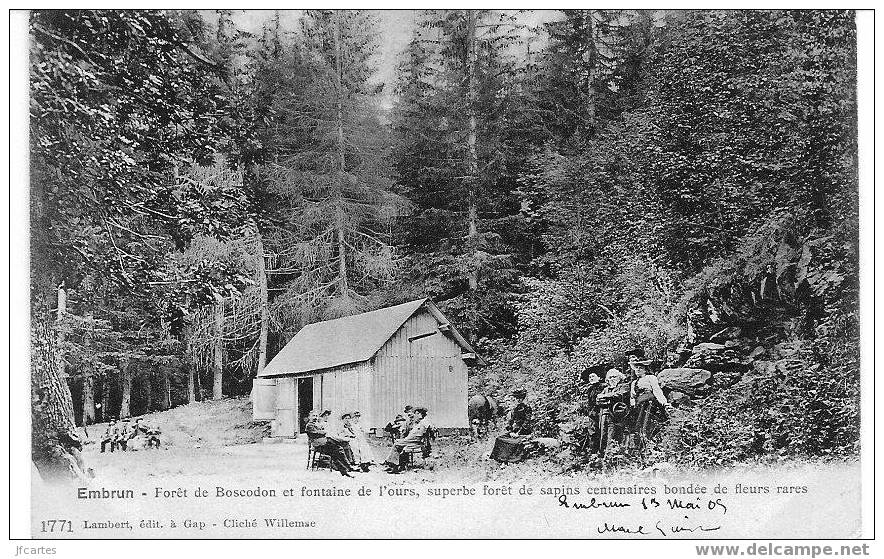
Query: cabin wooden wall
[(344, 389), (427, 371)]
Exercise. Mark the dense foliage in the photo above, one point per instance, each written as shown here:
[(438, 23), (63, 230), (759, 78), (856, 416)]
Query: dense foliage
[(610, 179)]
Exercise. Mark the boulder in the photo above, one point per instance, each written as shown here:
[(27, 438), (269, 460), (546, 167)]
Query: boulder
[(684, 379), (707, 347), (725, 360), (548, 443)]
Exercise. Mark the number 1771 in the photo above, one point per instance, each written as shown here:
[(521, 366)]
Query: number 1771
[(56, 526)]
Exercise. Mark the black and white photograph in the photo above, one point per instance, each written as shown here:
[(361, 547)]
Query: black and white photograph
[(446, 273)]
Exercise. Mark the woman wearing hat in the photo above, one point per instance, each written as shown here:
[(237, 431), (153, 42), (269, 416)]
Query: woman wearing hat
[(645, 386), (511, 446), (644, 391), (520, 423), (352, 431)]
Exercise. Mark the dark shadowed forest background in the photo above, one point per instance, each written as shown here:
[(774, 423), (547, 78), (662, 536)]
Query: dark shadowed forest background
[(564, 191)]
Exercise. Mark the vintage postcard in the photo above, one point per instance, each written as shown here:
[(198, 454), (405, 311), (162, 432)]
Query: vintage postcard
[(589, 274)]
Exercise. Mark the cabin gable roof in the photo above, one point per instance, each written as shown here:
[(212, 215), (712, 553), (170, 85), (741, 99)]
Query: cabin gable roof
[(350, 339)]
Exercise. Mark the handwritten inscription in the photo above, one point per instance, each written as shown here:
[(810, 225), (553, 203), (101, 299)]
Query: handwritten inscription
[(592, 504), (676, 529), (621, 529), (653, 526)]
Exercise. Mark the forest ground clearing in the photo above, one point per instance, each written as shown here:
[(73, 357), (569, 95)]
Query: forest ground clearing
[(215, 443)]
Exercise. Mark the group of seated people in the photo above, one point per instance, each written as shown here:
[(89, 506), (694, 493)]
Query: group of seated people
[(638, 389), (344, 443), (120, 435)]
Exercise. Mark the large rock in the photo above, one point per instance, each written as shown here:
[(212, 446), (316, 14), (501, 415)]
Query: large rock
[(720, 360), (707, 347), (684, 379)]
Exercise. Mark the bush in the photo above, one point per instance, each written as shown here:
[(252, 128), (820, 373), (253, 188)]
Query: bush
[(797, 409)]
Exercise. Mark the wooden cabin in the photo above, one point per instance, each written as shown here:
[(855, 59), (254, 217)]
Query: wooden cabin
[(375, 362)]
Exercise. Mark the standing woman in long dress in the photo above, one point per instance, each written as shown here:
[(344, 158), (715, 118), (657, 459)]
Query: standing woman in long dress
[(364, 455)]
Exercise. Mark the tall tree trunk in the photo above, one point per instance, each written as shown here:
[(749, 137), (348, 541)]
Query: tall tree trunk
[(472, 169), (148, 380), (186, 362), (339, 194), (198, 384), (265, 313), (126, 381), (105, 397), (88, 400), (218, 365), (592, 69), (88, 378), (166, 385), (52, 410), (61, 312), (191, 383)]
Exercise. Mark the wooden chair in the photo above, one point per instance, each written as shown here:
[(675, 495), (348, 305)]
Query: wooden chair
[(316, 458), (423, 451)]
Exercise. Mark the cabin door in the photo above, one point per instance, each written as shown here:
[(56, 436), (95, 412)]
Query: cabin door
[(305, 401), (286, 423)]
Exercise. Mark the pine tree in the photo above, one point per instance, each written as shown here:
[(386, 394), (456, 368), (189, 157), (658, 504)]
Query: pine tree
[(457, 85), (329, 233)]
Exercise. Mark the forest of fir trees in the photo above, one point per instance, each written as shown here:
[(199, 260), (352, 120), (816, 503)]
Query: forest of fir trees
[(564, 191)]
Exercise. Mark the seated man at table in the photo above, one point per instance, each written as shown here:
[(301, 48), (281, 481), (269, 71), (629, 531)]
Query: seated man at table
[(397, 460), (316, 432)]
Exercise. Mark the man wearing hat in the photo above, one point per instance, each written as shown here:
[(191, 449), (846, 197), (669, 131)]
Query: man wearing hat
[(397, 459), (636, 355)]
